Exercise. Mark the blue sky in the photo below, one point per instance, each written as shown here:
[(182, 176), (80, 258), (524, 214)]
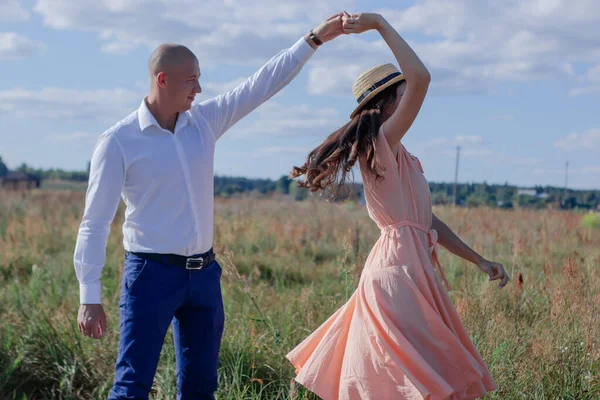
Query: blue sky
[(515, 83)]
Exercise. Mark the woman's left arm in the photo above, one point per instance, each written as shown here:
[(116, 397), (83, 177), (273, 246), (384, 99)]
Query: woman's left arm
[(455, 245)]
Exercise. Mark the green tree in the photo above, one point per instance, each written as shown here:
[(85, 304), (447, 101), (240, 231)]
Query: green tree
[(3, 168), (440, 198), (283, 185), (570, 202), (297, 192), (23, 168), (589, 198), (475, 200)]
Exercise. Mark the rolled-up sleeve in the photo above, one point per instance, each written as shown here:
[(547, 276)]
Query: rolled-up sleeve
[(107, 176), (223, 111)]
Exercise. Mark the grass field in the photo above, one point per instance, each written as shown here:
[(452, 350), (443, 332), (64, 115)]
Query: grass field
[(287, 267)]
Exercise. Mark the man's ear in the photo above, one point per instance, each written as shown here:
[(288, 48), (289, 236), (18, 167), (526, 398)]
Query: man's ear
[(161, 79)]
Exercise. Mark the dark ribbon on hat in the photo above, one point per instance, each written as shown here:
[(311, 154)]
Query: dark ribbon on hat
[(377, 85)]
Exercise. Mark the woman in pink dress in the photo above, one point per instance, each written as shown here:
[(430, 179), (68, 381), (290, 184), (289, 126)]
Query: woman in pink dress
[(398, 336)]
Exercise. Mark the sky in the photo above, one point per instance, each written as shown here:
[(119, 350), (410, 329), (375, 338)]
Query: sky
[(515, 83)]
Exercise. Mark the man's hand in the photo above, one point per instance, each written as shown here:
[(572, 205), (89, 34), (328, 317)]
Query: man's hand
[(91, 320), (330, 28)]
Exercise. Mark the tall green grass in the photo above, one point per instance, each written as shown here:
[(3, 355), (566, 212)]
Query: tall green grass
[(287, 267)]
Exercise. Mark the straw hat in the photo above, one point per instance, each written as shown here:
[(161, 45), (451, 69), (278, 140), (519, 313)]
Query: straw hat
[(372, 82)]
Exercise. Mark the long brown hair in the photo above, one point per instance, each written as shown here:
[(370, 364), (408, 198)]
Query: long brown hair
[(327, 166)]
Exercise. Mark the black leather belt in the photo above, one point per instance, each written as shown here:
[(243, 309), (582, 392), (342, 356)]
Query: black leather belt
[(192, 262)]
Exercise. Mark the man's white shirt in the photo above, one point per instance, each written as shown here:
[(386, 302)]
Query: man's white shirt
[(166, 179)]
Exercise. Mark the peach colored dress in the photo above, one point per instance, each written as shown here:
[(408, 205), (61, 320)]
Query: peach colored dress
[(398, 336)]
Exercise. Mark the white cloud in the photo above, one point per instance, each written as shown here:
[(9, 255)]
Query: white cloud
[(56, 103), (333, 70), (470, 149), (476, 153), (436, 142), (470, 153), (469, 140), (593, 75), (14, 46), (468, 45), (584, 90), (500, 158), (513, 27), (232, 31), (461, 140), (572, 171), (523, 160), (276, 119), (592, 81), (11, 10), (473, 46), (70, 137), (552, 171), (324, 79), (588, 140)]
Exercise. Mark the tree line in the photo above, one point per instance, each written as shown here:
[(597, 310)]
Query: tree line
[(467, 194)]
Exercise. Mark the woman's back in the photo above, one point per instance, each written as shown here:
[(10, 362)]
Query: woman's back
[(403, 193)]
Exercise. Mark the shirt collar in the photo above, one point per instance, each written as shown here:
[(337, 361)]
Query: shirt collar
[(146, 118), (182, 120)]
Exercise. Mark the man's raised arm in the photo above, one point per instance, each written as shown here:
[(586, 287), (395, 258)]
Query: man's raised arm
[(223, 111)]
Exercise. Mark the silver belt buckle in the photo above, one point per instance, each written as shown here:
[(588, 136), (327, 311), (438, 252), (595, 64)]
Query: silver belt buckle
[(189, 263)]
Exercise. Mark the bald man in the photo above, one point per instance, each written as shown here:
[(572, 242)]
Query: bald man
[(159, 159)]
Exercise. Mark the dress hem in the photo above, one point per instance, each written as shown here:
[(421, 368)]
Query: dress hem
[(426, 396)]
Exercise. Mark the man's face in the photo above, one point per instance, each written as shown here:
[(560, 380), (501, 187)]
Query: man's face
[(182, 85)]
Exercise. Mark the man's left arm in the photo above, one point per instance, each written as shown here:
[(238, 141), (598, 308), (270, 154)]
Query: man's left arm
[(224, 111)]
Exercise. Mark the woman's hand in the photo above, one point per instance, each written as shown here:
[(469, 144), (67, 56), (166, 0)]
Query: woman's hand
[(359, 23), (495, 271), (455, 245)]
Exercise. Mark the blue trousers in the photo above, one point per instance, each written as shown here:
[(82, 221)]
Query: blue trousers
[(154, 295)]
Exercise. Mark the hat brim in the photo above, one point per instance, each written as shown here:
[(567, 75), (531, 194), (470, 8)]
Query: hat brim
[(374, 93)]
